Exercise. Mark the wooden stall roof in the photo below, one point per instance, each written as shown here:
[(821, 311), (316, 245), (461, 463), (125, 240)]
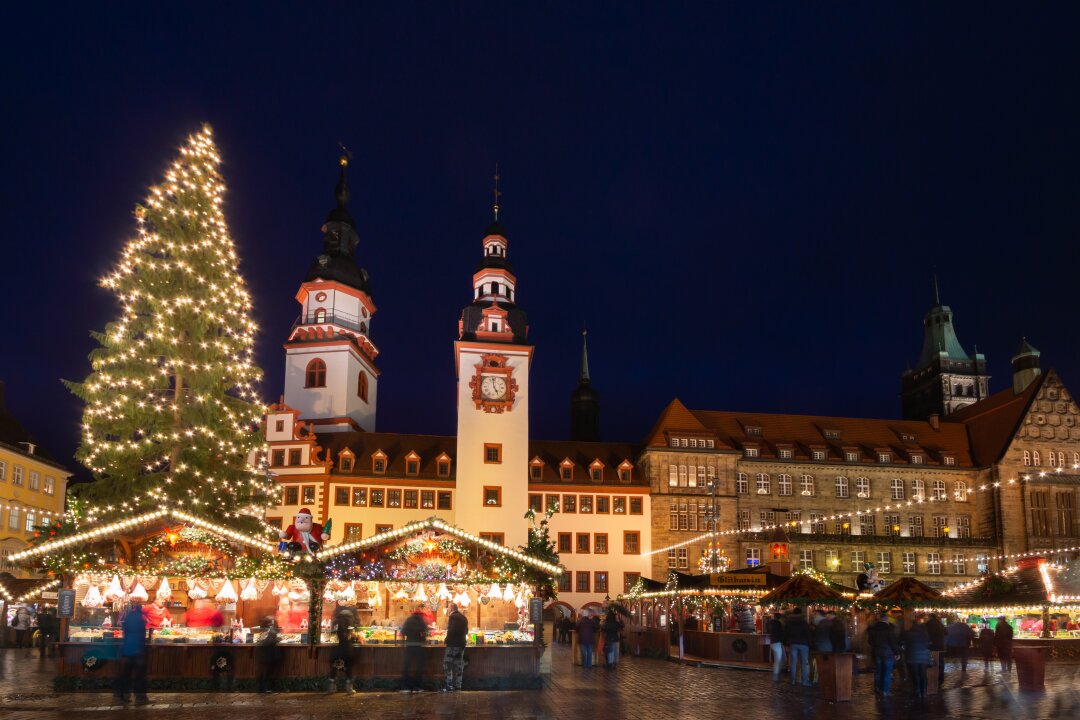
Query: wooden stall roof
[(13, 589), (1033, 583), (803, 590), (907, 591)]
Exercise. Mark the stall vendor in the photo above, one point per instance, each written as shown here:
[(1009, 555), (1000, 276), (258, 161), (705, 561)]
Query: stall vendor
[(204, 614), (155, 614), (289, 618)]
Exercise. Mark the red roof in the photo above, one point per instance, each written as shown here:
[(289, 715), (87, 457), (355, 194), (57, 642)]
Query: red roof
[(992, 423)]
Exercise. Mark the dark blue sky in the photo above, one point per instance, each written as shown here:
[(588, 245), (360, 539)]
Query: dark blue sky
[(745, 203)]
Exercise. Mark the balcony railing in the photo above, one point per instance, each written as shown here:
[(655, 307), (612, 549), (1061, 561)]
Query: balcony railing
[(332, 317)]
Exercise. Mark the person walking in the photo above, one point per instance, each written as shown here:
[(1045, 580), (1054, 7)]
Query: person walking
[(837, 632), (415, 632), (958, 641), (1003, 643), (132, 657), (586, 632), (267, 654), (936, 630), (917, 655), (885, 650), (986, 645), (798, 636), (776, 644), (457, 627), (21, 625), (342, 656), (49, 629), (612, 627)]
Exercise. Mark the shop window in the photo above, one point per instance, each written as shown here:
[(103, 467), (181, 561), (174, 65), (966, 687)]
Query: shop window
[(492, 496), (359, 497), (600, 543), (315, 374), (292, 495)]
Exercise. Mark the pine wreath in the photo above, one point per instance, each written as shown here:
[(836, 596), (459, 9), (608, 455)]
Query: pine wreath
[(221, 662), (91, 661)]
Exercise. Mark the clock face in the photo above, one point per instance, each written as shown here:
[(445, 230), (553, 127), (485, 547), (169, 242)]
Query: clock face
[(493, 387)]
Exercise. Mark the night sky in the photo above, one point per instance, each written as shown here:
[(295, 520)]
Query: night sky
[(746, 204)]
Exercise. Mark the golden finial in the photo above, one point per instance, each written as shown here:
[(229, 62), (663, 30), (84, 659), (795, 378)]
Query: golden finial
[(497, 193), (345, 155)]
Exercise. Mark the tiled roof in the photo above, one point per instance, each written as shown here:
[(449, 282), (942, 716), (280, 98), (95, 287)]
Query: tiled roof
[(674, 419), (993, 422), (833, 434), (396, 446), (582, 454)]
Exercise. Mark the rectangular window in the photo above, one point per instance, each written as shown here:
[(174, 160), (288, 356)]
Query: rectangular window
[(292, 495), (600, 582), (378, 465), (536, 502), (585, 504), (764, 484), (1063, 502), (412, 467), (492, 496), (636, 506), (916, 459), (492, 453), (279, 426), (535, 472), (832, 560), (308, 494), (582, 582), (412, 499), (13, 518), (884, 562), (806, 485), (939, 490), (940, 523), (851, 456), (277, 458), (341, 495), (751, 452), (701, 475), (494, 537), (817, 522), (897, 487), (915, 526), (564, 582), (629, 580), (35, 480), (841, 487), (767, 517), (583, 542), (963, 526), (684, 560), (624, 475), (378, 498), (603, 504), (3, 471), (908, 562), (359, 497), (918, 490), (818, 454), (949, 460), (569, 503), (29, 521), (858, 561), (884, 457), (892, 525), (793, 517), (383, 528), (618, 505), (783, 484), (959, 564), (346, 464), (600, 543), (596, 474), (982, 564), (933, 563), (274, 522), (785, 454), (393, 498), (868, 524), (445, 500), (1040, 513), (862, 487), (742, 484), (673, 517), (566, 543), (753, 557), (673, 475), (566, 472), (353, 532), (672, 558), (444, 468), (682, 476), (427, 499), (806, 559), (631, 542), (744, 520), (294, 456)]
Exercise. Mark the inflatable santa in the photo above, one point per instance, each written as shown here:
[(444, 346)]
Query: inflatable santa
[(304, 535)]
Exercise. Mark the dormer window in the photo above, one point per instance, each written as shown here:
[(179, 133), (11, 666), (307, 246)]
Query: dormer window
[(751, 452), (535, 472), (625, 471), (907, 437), (378, 463), (818, 454), (443, 465), (851, 456), (345, 460), (596, 471), (948, 460), (785, 453), (753, 430), (884, 457), (494, 325), (916, 459), (832, 434), (566, 470), (412, 464), (674, 442)]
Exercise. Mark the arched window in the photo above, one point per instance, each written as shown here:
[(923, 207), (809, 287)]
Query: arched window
[(764, 484), (1035, 459), (315, 376), (320, 315), (361, 386), (806, 485), (1027, 457)]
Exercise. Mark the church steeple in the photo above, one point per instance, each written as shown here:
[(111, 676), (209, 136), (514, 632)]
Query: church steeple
[(337, 261), (945, 378), (585, 401)]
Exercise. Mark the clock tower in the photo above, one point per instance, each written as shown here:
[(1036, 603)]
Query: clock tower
[(492, 363)]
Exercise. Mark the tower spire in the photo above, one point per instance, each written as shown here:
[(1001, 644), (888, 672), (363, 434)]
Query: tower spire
[(584, 354), (341, 192), (495, 207), (937, 295)]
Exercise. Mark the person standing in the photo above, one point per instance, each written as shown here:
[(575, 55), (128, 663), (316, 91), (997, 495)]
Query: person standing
[(1003, 642), (586, 638), (342, 656), (917, 655), (776, 644), (49, 629), (986, 645), (132, 657), (612, 627), (266, 655), (958, 641), (837, 632), (797, 634), (21, 624), (415, 631), (457, 627), (885, 650), (936, 630)]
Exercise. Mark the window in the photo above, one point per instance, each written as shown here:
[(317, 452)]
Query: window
[(1063, 502), (743, 520), (674, 442), (636, 506), (1035, 458), (50, 484), (412, 499), (785, 453), (444, 468), (393, 498), (624, 475), (629, 580), (383, 528), (16, 475), (832, 434), (862, 487), (378, 498), (868, 524), (959, 564), (1027, 457), (359, 497), (949, 460), (818, 454), (569, 503), (1040, 513), (751, 452), (677, 558), (907, 561), (938, 490), (1061, 459), (618, 505), (918, 490), (960, 491), (897, 488), (583, 542), (29, 521), (682, 476), (763, 483), (279, 426), (315, 375), (427, 499), (600, 582), (596, 474), (884, 562), (631, 544), (673, 476), (35, 480), (915, 526), (412, 467), (767, 517), (362, 386), (308, 494), (884, 457), (892, 525), (982, 564), (564, 582), (492, 453), (346, 463), (566, 543), (806, 485), (582, 582), (353, 532), (444, 500), (295, 455), (832, 560), (1076, 461), (742, 484), (817, 522), (700, 476), (941, 522), (843, 527), (858, 561), (535, 472), (585, 504), (753, 557), (341, 495), (850, 456), (603, 504), (806, 559), (600, 543), (841, 487), (13, 518), (292, 495), (783, 483), (320, 315), (933, 563), (566, 471), (492, 496), (494, 537), (378, 463), (963, 526), (3, 471), (916, 459), (536, 502), (274, 522)]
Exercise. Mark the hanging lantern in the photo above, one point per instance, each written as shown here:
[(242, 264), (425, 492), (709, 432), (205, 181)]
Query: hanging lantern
[(93, 598), (164, 591), (114, 591), (508, 593), (250, 592), (227, 594), (443, 593), (139, 592), (494, 592)]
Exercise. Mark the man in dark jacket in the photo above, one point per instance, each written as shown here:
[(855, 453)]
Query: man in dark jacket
[(267, 655), (133, 656), (415, 631), (586, 638), (958, 641), (342, 656), (885, 650), (49, 628), (1003, 642), (776, 643), (612, 627), (917, 655), (797, 635), (457, 627), (837, 632), (936, 630)]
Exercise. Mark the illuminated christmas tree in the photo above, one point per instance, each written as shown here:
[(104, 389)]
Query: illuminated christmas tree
[(171, 407)]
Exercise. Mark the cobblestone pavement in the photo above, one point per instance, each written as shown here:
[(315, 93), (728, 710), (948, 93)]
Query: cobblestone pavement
[(638, 689)]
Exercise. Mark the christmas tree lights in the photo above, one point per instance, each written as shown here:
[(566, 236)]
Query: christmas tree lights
[(170, 404)]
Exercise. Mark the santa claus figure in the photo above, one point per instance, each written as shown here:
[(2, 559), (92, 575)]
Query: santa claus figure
[(304, 535)]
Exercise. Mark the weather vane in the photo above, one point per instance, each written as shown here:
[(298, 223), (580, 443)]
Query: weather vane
[(497, 193), (346, 154)]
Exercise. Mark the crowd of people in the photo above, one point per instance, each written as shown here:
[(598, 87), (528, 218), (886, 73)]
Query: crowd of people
[(47, 624), (590, 627)]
